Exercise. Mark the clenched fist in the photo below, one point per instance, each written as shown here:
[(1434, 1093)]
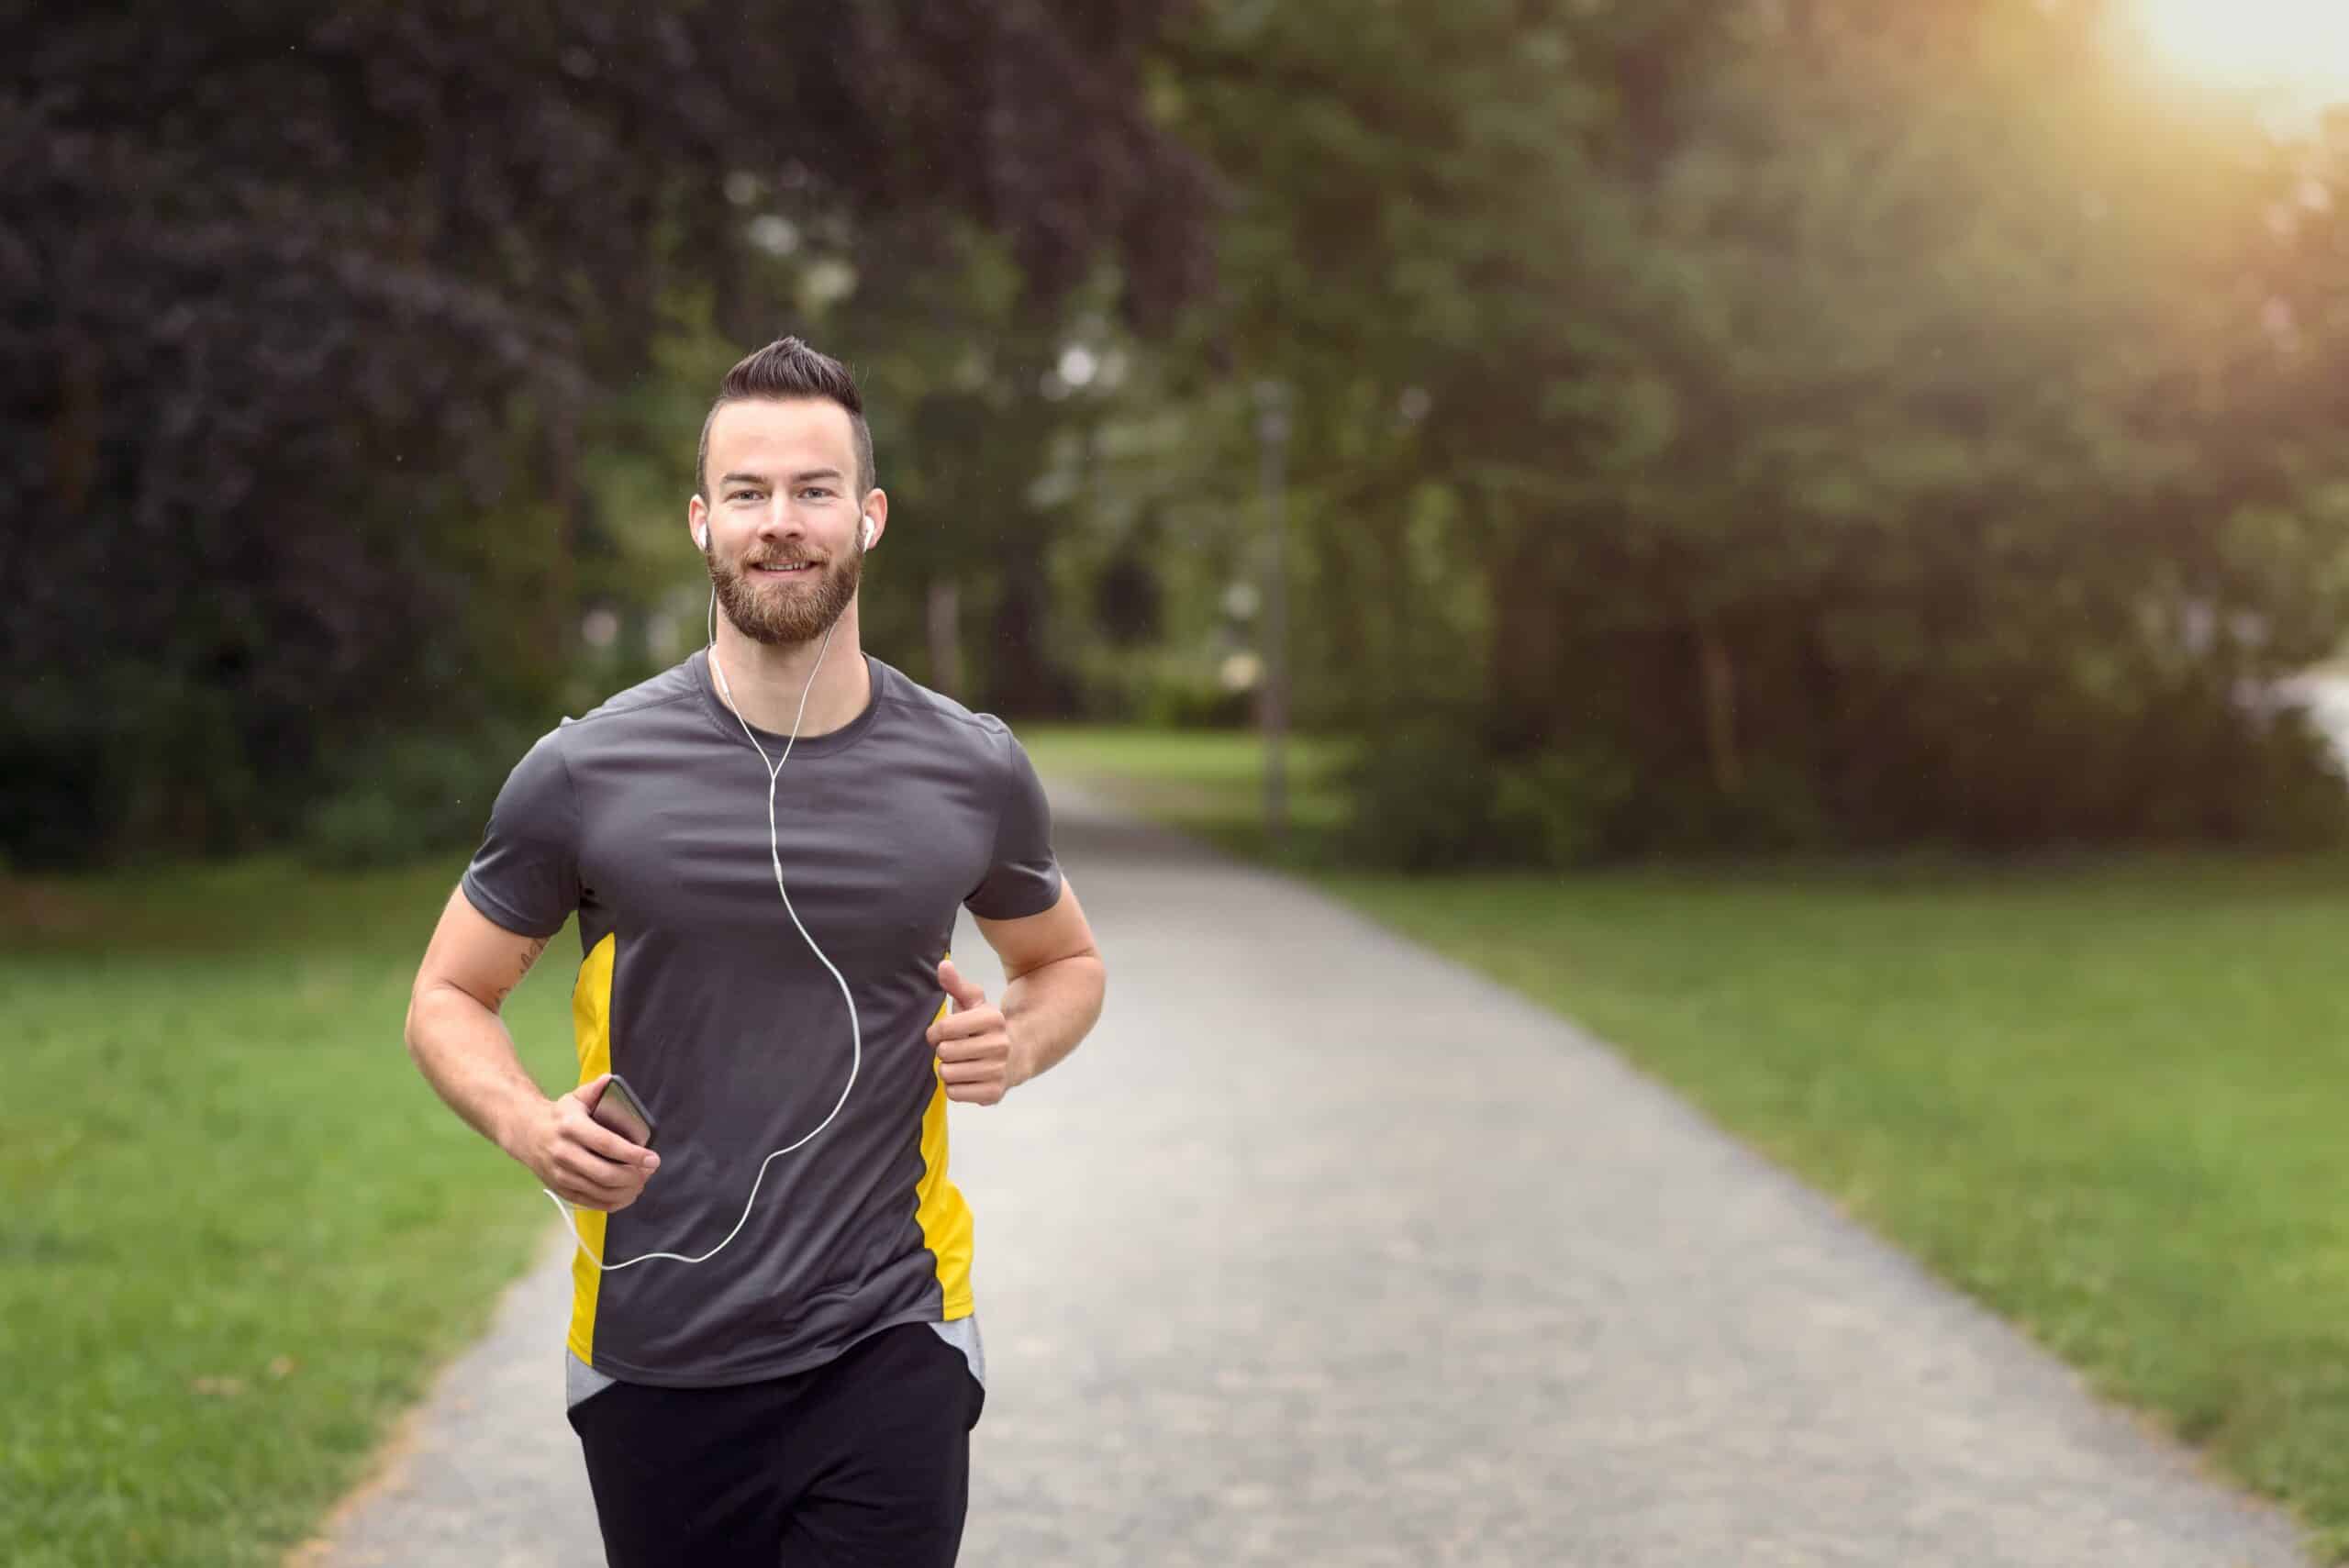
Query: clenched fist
[(973, 1042), (580, 1160)]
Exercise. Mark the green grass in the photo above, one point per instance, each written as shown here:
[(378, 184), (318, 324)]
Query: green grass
[(1207, 782), (2111, 1099), (237, 1231)]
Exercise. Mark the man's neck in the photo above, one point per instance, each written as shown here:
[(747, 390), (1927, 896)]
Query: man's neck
[(763, 682)]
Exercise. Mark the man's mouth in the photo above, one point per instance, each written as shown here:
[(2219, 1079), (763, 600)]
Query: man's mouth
[(782, 568)]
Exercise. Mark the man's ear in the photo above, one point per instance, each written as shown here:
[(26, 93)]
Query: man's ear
[(698, 522)]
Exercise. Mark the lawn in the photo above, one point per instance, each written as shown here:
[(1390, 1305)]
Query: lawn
[(1207, 782), (2109, 1098), (237, 1231)]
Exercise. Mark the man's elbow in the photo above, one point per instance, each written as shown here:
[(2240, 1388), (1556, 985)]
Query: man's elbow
[(1086, 963), (427, 1002), (412, 1028), (1097, 968)]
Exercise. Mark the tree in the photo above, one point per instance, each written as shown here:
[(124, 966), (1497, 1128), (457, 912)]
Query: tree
[(1779, 422), (308, 312)]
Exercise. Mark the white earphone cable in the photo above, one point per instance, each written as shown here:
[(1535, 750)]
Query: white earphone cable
[(774, 851)]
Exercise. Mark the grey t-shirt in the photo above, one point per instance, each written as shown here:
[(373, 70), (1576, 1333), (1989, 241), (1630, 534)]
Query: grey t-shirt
[(648, 818)]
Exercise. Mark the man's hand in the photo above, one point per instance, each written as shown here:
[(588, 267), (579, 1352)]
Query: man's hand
[(580, 1160), (973, 1042)]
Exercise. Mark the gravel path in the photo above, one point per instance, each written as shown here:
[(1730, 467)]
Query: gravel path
[(1326, 1252)]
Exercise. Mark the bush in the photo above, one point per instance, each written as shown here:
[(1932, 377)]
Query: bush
[(1423, 798), (1429, 798), (406, 796), (2286, 789), (1159, 689), (1560, 808)]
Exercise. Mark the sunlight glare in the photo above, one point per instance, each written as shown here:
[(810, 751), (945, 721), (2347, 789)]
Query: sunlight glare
[(2295, 45)]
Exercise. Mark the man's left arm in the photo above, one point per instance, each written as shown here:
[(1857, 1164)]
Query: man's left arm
[(1054, 984)]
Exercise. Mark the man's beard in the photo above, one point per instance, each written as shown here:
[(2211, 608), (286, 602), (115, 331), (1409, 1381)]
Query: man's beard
[(781, 612)]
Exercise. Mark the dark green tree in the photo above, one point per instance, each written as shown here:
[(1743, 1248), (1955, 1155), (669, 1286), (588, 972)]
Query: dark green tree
[(306, 313), (1802, 421)]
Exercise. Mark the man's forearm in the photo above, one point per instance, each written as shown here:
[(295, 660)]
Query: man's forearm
[(1047, 1010), (467, 1054)]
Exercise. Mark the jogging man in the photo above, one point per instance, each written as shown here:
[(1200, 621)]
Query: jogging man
[(772, 1355)]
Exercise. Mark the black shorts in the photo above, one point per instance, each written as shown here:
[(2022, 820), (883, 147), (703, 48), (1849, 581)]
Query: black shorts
[(864, 1459)]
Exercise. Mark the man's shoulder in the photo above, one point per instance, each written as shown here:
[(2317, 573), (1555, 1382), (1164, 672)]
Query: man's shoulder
[(675, 684), (915, 702), (616, 719)]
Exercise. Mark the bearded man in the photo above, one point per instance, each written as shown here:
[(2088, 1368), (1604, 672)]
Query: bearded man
[(774, 1353)]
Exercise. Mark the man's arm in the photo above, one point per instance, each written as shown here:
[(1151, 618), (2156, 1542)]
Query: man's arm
[(1054, 982), (458, 1039)]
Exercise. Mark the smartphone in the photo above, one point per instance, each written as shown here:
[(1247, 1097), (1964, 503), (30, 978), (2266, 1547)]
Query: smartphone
[(621, 1110)]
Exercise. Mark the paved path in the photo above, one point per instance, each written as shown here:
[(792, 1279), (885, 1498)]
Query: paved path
[(1325, 1251)]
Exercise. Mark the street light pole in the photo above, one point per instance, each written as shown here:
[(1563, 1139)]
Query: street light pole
[(1272, 711)]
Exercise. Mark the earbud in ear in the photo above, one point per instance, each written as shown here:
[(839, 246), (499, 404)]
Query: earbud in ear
[(701, 535), (868, 533)]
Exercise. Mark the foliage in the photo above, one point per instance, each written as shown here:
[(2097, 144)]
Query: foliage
[(409, 794), (969, 419), (1422, 800), (310, 314), (1853, 423)]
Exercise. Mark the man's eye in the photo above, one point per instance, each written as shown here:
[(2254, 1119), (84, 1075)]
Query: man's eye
[(744, 495), (815, 490)]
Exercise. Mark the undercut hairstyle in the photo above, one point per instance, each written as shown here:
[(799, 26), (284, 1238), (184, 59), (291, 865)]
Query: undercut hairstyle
[(789, 368)]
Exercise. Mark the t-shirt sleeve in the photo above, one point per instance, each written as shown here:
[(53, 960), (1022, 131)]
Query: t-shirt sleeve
[(525, 876), (1023, 875)]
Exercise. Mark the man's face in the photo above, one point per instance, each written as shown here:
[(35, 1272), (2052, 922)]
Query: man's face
[(782, 514)]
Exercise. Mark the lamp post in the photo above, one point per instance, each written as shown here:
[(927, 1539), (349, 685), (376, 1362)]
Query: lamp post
[(1272, 706)]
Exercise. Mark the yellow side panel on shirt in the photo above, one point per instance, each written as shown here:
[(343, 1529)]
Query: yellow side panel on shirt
[(944, 1218), (591, 1026)]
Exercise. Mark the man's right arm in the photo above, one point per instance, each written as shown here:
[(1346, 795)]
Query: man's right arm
[(457, 1038)]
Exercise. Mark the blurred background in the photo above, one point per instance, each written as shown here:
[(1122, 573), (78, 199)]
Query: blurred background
[(1735, 471), (1785, 424)]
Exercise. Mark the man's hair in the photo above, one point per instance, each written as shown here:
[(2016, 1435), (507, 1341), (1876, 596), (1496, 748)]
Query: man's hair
[(789, 368)]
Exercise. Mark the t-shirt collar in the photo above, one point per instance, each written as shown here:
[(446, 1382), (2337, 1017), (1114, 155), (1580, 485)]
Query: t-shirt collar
[(807, 745)]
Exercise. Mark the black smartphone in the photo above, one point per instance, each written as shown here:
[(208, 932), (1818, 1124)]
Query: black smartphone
[(621, 1110)]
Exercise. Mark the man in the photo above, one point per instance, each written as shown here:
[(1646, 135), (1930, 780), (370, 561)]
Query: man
[(773, 1351)]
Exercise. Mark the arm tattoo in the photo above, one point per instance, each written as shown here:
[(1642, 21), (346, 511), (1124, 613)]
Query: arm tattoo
[(529, 956)]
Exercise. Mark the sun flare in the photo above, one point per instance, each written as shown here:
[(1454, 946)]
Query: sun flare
[(2296, 46)]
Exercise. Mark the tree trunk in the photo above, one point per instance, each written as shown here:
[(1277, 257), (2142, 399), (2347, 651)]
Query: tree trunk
[(1526, 649), (945, 627), (1019, 679), (559, 612), (1718, 678)]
